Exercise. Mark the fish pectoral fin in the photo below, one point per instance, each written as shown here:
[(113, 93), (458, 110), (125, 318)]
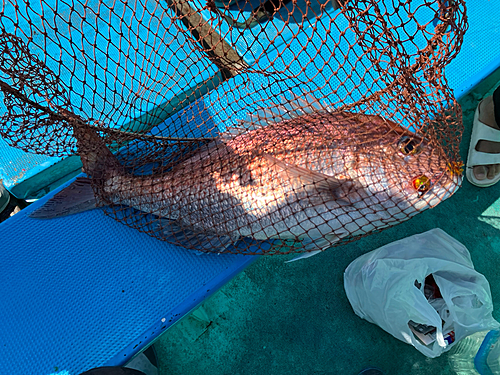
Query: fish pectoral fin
[(317, 245), (77, 197), (173, 231), (305, 255), (314, 183)]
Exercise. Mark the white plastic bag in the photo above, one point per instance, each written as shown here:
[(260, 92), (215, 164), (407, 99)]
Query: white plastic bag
[(382, 287)]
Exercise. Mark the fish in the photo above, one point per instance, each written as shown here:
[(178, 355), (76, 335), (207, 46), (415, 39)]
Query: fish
[(303, 172)]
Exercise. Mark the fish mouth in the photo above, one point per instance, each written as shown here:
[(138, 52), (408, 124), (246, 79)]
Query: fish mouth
[(443, 187), (437, 193)]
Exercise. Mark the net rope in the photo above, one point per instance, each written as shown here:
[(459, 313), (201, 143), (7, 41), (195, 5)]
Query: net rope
[(237, 126)]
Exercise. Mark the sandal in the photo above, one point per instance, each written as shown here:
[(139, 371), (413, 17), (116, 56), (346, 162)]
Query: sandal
[(480, 132), (4, 197)]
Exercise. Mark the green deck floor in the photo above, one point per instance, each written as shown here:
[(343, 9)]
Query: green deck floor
[(278, 318)]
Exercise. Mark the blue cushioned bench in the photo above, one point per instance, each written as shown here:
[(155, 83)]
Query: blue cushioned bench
[(86, 291)]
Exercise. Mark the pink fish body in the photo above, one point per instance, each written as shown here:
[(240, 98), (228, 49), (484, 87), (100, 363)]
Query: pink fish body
[(313, 177)]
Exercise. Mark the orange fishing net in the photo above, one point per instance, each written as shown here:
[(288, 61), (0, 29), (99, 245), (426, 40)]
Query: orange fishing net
[(244, 127)]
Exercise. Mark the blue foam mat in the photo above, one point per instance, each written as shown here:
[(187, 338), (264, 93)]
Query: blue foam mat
[(92, 291), (77, 295)]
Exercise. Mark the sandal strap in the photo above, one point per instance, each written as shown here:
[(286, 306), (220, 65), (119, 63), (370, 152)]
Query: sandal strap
[(483, 158), (483, 132), (487, 133)]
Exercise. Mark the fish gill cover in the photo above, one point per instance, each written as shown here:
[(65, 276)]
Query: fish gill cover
[(244, 127)]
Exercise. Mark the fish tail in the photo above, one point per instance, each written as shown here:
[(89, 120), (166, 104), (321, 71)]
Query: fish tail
[(99, 164)]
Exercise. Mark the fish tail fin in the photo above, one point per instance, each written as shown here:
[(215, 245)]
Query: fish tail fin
[(99, 164), (75, 198)]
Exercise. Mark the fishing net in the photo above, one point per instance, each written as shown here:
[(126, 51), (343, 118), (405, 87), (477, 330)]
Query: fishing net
[(238, 126)]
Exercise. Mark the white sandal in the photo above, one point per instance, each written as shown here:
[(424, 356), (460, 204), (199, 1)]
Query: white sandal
[(480, 132), (4, 197)]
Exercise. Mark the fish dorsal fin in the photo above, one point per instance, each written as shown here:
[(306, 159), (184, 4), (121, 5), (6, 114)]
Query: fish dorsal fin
[(77, 197), (305, 104), (314, 184), (290, 107)]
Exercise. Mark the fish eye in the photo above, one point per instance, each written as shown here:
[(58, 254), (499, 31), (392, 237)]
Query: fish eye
[(422, 184), (408, 146)]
